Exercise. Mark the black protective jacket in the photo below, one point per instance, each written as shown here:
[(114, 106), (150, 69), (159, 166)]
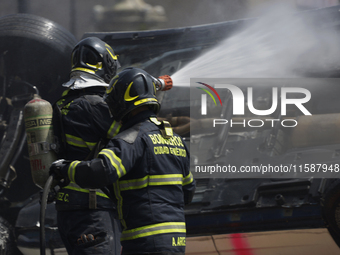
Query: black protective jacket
[(81, 119), (152, 183)]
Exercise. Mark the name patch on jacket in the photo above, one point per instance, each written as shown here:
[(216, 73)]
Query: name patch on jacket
[(63, 197), (179, 241), (172, 145)]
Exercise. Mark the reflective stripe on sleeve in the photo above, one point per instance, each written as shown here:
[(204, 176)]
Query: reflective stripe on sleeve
[(119, 203), (115, 162), (79, 142), (155, 229), (72, 170), (114, 129), (188, 179)]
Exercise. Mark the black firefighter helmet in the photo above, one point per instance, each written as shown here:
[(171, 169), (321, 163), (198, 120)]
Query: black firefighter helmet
[(129, 89), (92, 55)]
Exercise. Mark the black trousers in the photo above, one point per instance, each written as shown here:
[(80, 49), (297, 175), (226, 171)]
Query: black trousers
[(102, 224)]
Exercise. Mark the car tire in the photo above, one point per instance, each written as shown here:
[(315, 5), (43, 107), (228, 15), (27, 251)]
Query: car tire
[(331, 208), (7, 239), (36, 50)]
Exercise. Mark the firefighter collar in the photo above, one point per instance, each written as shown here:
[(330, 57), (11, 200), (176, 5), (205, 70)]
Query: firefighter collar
[(139, 117), (80, 80)]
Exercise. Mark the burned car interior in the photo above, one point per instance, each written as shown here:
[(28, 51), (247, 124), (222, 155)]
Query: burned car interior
[(220, 205)]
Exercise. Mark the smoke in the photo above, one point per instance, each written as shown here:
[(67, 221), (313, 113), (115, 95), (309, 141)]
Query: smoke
[(281, 43)]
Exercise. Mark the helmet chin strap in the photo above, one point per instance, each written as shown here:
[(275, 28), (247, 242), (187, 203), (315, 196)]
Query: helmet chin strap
[(138, 110)]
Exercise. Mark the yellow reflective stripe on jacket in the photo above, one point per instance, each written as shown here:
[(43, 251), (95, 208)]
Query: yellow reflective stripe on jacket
[(119, 203), (155, 229), (74, 186), (79, 142), (188, 179), (166, 179), (134, 184), (65, 93), (151, 180), (72, 170), (114, 129), (115, 162)]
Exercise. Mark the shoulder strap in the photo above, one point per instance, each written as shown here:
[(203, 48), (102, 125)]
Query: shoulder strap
[(57, 107), (164, 127)]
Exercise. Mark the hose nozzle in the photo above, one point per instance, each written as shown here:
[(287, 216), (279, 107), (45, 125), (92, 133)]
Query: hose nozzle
[(164, 83)]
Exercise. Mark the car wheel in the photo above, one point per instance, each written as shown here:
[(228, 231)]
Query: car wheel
[(7, 239), (331, 208), (35, 50)]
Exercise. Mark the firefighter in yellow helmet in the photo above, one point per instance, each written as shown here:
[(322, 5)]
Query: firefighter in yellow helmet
[(148, 166), (82, 122)]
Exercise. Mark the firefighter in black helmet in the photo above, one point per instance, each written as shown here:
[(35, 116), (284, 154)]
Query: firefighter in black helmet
[(148, 166), (82, 122), (93, 56)]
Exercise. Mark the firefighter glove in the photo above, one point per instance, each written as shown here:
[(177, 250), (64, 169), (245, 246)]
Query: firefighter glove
[(59, 170)]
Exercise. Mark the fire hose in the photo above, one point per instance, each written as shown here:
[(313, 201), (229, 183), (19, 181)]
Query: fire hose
[(43, 205)]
